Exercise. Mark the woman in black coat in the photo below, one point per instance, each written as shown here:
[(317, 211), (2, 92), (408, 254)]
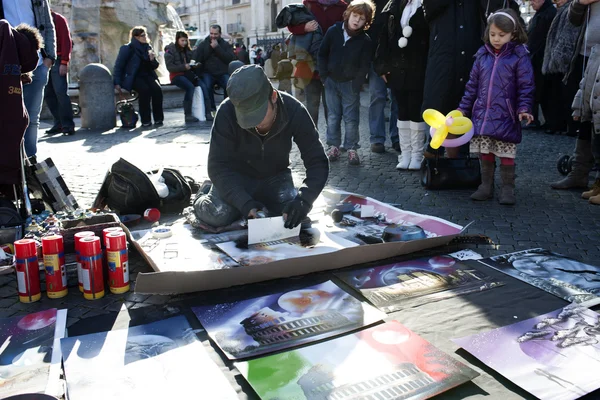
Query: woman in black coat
[(135, 69), (401, 60)]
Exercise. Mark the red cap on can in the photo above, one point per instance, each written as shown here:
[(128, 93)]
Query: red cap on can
[(106, 231), (152, 214), (52, 244), (116, 241), (89, 246), (25, 248), (81, 235)]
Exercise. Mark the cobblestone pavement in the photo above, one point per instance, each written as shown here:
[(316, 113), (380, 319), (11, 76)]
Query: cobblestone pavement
[(557, 220)]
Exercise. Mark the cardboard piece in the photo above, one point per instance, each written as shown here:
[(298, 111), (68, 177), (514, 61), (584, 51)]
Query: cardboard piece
[(199, 275)]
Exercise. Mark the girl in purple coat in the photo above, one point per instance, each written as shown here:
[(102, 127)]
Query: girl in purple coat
[(499, 95)]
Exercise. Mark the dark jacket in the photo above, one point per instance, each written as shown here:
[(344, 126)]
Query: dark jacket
[(561, 43), (456, 28), (345, 61), (236, 154), (302, 44), (539, 26), (175, 60), (379, 21), (243, 56), (577, 12), (17, 55), (405, 66), (215, 61), (499, 89), (131, 58)]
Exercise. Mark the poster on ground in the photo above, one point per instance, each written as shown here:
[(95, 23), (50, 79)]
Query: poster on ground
[(555, 356), (27, 344), (387, 361), (561, 276), (392, 287), (160, 360), (283, 320)]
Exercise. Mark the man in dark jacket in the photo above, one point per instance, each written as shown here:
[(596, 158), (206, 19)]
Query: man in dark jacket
[(539, 26), (215, 54), (57, 90), (248, 159)]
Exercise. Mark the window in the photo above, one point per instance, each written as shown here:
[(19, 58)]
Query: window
[(234, 2)]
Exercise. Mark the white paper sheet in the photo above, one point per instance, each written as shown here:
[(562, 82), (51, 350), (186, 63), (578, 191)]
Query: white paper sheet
[(261, 230)]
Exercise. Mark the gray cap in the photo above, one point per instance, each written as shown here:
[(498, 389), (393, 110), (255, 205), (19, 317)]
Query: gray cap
[(249, 90), (234, 65)]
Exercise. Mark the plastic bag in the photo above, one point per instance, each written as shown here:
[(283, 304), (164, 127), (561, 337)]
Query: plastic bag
[(159, 184), (198, 110)]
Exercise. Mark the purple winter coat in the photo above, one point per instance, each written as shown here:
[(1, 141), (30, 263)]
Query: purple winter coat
[(500, 88)]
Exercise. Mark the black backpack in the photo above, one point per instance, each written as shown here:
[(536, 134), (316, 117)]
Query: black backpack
[(128, 190)]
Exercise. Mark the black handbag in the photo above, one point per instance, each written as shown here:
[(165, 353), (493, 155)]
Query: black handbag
[(450, 173)]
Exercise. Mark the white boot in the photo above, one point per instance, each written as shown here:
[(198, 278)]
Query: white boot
[(405, 145), (417, 135)]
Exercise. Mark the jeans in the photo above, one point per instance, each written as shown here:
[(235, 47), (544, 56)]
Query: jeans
[(57, 98), (379, 92), (274, 192), (33, 97), (315, 91), (184, 83), (343, 103), (149, 90), (209, 82)]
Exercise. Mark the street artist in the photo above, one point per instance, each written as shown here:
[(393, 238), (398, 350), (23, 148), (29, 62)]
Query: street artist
[(248, 159)]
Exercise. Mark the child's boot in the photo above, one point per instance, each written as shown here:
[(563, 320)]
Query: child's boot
[(485, 191), (594, 191), (417, 134), (507, 192), (405, 144)]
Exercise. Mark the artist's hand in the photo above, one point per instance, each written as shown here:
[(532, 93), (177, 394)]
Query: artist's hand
[(294, 212), (251, 209), (257, 213), (48, 63), (63, 69), (526, 116), (311, 26), (214, 43)]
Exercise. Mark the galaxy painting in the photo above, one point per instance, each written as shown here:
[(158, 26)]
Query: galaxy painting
[(160, 360), (279, 321), (387, 361), (26, 344), (561, 276), (555, 356), (392, 287)]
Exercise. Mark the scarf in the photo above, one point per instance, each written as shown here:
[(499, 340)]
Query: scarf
[(140, 49), (327, 3), (350, 32), (409, 10)]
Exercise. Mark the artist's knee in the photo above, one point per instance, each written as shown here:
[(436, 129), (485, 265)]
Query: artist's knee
[(214, 213)]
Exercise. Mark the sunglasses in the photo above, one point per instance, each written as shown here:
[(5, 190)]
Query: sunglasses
[(142, 35)]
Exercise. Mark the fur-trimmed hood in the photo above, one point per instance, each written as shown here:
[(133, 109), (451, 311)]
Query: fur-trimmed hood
[(561, 43)]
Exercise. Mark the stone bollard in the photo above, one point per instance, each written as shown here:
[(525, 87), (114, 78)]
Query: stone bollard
[(97, 97)]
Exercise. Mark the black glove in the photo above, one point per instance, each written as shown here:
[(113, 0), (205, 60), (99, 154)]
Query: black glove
[(250, 205), (295, 211)]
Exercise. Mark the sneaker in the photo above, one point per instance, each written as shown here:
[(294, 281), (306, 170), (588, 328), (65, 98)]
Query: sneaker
[(147, 124), (158, 123), (353, 157), (54, 130), (378, 148), (396, 146), (69, 131), (333, 153)]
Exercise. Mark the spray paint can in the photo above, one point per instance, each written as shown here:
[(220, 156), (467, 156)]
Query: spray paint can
[(117, 259), (77, 237), (91, 267), (28, 271), (54, 264), (105, 232)]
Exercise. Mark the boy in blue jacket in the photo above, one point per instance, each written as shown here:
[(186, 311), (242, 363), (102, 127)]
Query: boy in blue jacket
[(343, 64)]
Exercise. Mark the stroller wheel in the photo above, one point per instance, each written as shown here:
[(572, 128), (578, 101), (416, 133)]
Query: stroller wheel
[(564, 165), (76, 109)]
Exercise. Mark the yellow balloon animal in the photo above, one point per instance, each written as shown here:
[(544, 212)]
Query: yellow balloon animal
[(453, 123)]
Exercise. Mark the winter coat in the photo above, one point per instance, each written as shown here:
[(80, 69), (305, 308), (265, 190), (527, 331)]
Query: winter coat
[(17, 56), (500, 88), (130, 60), (43, 23), (303, 46), (175, 60), (560, 44), (236, 154), (326, 16), (379, 20), (577, 13), (539, 26), (405, 66), (215, 61), (586, 103), (345, 61), (456, 28)]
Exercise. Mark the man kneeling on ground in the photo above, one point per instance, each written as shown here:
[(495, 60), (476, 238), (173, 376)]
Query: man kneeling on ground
[(248, 159)]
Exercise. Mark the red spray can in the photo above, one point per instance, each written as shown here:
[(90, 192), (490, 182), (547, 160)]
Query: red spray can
[(117, 260), (91, 267), (28, 271), (54, 264), (77, 237), (105, 232)]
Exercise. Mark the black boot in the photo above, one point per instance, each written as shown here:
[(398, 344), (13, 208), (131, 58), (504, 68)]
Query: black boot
[(187, 110)]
